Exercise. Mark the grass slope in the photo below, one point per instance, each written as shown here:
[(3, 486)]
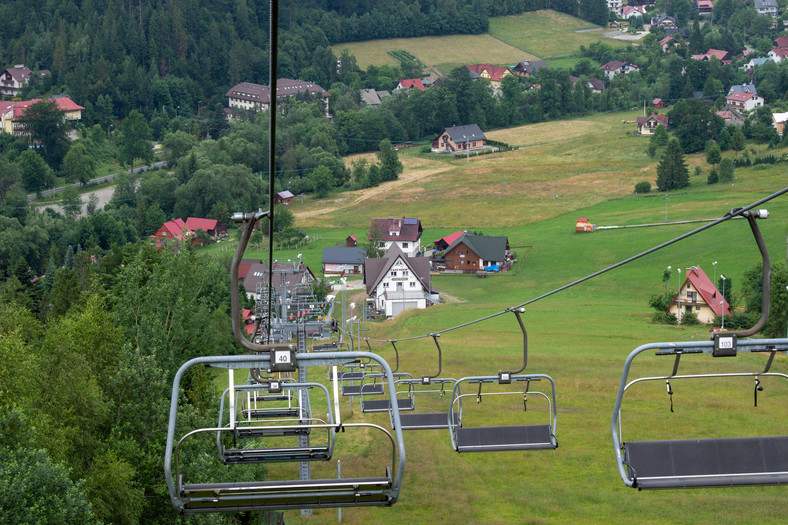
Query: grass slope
[(540, 34), (580, 336)]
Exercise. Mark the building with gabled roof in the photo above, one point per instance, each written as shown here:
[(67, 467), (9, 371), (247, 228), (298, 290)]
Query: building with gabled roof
[(407, 83), (459, 139), (284, 197), (472, 253), (444, 242), (744, 101), (766, 7), (12, 112), (495, 74), (647, 125), (210, 226), (529, 67), (778, 121), (248, 96), (396, 282), (404, 232), (13, 79), (615, 67), (343, 260), (698, 295)]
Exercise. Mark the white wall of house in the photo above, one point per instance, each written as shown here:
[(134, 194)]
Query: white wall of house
[(409, 248), (399, 286)]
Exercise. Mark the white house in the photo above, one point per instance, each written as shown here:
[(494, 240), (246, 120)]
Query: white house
[(744, 101), (397, 282), (404, 232)]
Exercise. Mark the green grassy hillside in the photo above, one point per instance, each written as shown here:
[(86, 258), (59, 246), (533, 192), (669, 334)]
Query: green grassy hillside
[(580, 336)]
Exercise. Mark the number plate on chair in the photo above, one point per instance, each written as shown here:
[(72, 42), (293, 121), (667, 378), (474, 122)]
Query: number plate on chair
[(282, 360), (724, 345)]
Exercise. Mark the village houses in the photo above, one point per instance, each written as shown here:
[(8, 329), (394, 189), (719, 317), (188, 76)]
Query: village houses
[(396, 282)]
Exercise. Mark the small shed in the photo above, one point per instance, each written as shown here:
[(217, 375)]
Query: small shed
[(351, 241), (284, 197)]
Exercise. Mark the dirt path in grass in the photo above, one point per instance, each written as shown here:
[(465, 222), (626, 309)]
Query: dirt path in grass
[(415, 168)]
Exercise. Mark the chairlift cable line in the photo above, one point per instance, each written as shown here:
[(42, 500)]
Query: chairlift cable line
[(736, 212)]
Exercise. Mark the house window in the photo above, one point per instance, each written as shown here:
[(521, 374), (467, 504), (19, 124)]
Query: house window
[(404, 245), (412, 284), (385, 285), (393, 274)]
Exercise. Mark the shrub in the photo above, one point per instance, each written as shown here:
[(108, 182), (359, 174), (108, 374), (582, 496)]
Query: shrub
[(713, 178), (690, 319), (643, 186)]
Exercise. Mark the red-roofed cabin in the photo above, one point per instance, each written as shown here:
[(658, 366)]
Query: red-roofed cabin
[(445, 242), (284, 197), (699, 296)]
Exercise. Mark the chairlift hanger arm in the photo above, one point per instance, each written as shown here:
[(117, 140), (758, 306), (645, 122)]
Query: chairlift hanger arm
[(235, 301), (426, 379)]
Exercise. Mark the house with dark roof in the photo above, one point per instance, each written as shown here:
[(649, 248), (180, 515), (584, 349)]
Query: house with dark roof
[(647, 125), (343, 260), (459, 139), (404, 232), (248, 96), (396, 282), (372, 97), (471, 253), (766, 7), (616, 67), (743, 88), (663, 20), (13, 79), (529, 67), (291, 278), (699, 296)]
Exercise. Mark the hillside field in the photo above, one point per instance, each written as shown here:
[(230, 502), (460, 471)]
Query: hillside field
[(580, 336), (536, 35)]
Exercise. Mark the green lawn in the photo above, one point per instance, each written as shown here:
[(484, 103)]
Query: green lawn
[(546, 35), (580, 336)]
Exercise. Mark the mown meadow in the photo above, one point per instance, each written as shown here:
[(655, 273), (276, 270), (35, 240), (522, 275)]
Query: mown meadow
[(580, 336)]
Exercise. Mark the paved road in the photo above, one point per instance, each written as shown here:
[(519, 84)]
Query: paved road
[(105, 178)]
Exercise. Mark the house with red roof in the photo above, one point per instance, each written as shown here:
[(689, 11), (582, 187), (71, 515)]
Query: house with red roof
[(180, 230), (699, 296), (705, 7), (407, 83), (404, 232), (630, 11), (495, 74), (11, 113), (744, 101), (444, 242), (648, 125), (284, 197), (778, 54), (721, 55), (780, 41)]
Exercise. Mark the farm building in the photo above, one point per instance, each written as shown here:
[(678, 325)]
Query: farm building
[(699, 296), (397, 282)]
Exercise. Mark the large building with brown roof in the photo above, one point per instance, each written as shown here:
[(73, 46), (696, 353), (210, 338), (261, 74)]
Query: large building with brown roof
[(248, 96)]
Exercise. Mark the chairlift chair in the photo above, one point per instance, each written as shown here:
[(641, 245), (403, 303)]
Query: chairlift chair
[(708, 462), (222, 496), (472, 438)]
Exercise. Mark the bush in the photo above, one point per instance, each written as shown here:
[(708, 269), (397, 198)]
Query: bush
[(643, 186), (690, 319), (663, 318), (713, 178)]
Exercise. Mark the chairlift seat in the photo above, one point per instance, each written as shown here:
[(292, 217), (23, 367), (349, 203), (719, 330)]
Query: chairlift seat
[(384, 405), (261, 413), (371, 389), (289, 494), (708, 462), (347, 376), (437, 420), (257, 432), (276, 455), (520, 437)]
